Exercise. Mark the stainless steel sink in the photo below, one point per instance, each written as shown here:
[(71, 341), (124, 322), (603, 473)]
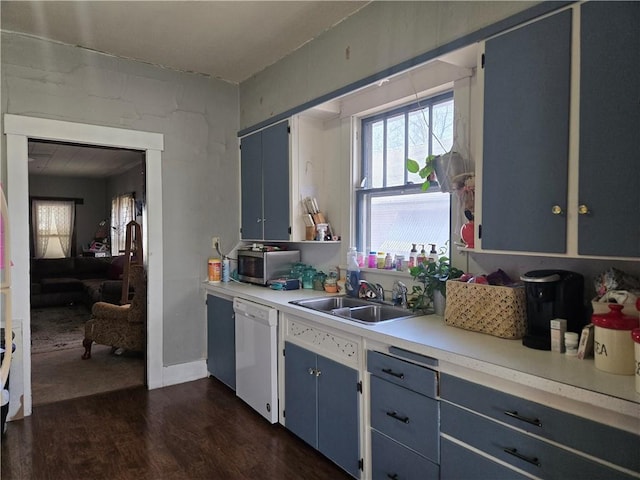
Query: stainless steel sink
[(356, 309)]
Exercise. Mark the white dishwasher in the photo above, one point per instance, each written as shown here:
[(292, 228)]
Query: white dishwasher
[(256, 357)]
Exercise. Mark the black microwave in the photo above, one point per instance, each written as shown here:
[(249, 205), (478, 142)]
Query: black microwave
[(261, 266)]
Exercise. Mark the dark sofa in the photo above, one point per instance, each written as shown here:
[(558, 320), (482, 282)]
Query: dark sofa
[(61, 281)]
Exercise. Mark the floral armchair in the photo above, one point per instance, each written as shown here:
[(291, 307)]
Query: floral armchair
[(120, 326)]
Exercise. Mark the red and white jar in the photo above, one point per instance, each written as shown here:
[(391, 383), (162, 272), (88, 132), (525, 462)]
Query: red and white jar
[(613, 346)]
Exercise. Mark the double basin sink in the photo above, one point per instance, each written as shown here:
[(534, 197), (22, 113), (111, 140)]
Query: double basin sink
[(356, 309)]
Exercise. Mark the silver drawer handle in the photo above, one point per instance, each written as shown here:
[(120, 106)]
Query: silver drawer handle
[(388, 371), (532, 421), (515, 453), (395, 415)]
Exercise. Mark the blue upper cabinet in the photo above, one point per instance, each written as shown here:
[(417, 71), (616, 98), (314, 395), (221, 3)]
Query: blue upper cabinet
[(264, 173), (527, 79), (609, 188), (560, 172)]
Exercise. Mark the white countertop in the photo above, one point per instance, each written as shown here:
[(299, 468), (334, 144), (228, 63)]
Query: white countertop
[(552, 372)]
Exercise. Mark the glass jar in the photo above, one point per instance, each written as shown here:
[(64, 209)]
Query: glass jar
[(318, 281), (307, 277)]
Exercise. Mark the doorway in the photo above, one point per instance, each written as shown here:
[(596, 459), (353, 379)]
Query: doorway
[(18, 130), (79, 188)]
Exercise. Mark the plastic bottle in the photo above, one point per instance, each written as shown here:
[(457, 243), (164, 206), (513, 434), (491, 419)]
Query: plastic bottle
[(433, 255), (380, 260), (213, 270), (422, 256), (388, 262), (352, 284), (373, 260), (225, 269), (413, 256)]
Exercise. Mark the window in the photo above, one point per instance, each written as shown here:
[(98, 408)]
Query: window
[(53, 228), (122, 212), (392, 210)]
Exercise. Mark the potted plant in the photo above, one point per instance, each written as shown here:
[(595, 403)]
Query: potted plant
[(427, 172), (432, 277)]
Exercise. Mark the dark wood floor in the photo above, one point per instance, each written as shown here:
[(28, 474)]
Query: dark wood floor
[(196, 430)]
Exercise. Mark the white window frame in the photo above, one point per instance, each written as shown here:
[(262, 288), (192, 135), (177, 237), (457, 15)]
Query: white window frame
[(363, 195)]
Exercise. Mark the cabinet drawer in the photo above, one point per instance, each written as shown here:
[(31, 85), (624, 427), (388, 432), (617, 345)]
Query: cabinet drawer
[(519, 449), (392, 460), (459, 462), (408, 375), (406, 416), (608, 443)]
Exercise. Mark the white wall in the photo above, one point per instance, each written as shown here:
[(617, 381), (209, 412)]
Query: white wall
[(381, 35), (200, 169)]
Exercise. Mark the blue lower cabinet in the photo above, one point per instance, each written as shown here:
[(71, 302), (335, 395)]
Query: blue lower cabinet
[(406, 416), (391, 460), (221, 340), (322, 406), (460, 463), (525, 452)]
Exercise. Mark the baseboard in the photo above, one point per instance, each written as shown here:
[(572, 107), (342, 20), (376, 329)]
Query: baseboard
[(183, 372)]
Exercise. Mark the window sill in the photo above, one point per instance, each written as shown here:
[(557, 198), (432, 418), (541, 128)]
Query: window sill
[(382, 271)]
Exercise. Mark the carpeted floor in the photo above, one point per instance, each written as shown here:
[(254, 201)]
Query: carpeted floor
[(58, 328), (57, 371)]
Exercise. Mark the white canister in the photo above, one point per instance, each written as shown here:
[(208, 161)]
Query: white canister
[(635, 335), (613, 346)]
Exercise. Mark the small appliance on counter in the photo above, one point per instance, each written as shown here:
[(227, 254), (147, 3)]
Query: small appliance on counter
[(261, 265), (552, 294)]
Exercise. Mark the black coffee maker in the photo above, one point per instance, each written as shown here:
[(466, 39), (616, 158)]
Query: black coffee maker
[(552, 294)]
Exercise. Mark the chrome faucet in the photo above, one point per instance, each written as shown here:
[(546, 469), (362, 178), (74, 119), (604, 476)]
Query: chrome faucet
[(399, 294), (370, 291)]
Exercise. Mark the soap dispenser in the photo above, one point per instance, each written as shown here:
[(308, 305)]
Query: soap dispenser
[(413, 256), (433, 255), (422, 256)]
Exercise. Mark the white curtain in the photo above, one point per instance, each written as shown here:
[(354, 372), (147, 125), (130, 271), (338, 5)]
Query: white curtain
[(53, 227), (122, 212)]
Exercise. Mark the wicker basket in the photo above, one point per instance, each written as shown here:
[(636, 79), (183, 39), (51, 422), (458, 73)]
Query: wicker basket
[(498, 311)]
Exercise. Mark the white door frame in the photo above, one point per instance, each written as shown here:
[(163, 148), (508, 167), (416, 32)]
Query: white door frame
[(18, 130)]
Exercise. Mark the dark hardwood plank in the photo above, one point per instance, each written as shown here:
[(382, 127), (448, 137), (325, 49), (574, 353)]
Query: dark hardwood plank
[(196, 430)]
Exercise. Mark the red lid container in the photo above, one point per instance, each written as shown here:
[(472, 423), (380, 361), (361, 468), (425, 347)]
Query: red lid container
[(635, 334), (615, 319)]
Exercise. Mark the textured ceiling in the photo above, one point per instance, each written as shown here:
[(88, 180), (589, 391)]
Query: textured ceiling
[(229, 40)]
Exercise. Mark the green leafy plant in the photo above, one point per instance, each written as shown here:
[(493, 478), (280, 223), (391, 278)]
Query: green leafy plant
[(426, 172), (433, 277)]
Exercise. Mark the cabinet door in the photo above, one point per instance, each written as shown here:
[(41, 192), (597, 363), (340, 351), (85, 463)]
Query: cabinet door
[(275, 172), (526, 137), (609, 127), (221, 355), (251, 186), (338, 414), (300, 390)]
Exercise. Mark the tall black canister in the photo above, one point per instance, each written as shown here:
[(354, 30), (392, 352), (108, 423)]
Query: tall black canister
[(552, 294)]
